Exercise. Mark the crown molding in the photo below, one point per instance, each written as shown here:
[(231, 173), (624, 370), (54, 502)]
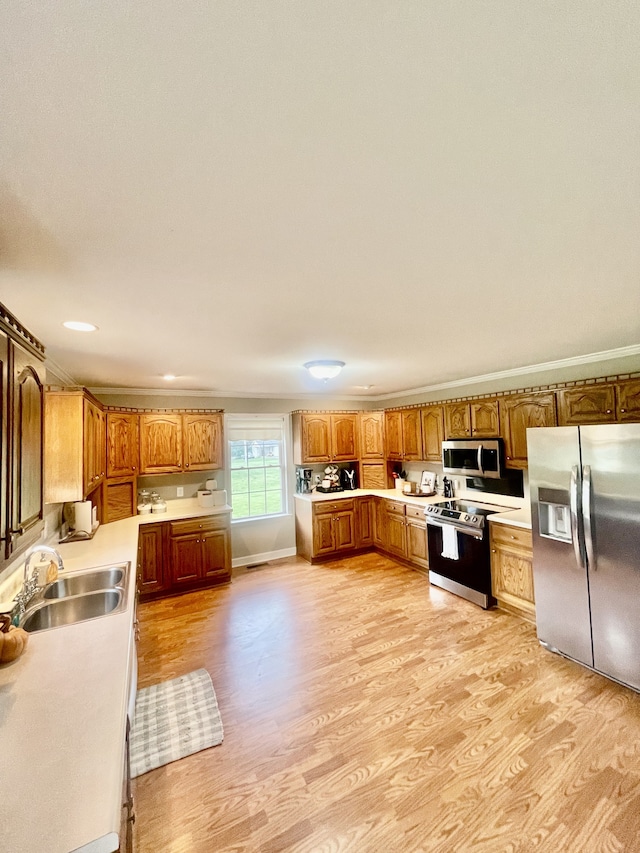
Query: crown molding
[(590, 358), (605, 355)]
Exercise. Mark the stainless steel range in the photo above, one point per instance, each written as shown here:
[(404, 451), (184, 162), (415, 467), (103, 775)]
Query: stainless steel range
[(458, 544)]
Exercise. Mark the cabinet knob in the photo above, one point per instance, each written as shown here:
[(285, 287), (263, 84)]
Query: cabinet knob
[(513, 537), (493, 550), (608, 411), (508, 457), (623, 410), (186, 465)]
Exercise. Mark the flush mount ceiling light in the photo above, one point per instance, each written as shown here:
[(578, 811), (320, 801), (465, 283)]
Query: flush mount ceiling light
[(79, 326), (324, 369), (169, 377)]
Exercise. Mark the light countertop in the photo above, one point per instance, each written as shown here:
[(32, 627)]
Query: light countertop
[(63, 708), (517, 517)]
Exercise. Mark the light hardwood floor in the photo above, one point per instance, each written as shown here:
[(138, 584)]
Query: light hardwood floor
[(366, 711)]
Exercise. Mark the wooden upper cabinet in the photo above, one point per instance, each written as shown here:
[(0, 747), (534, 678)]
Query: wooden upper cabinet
[(457, 420), (202, 435), (320, 437), (311, 438), (393, 435), (432, 433), (122, 444), (95, 445), (590, 404), (411, 434), (485, 421), (628, 400), (478, 419), (371, 435), (519, 412), (75, 445), (160, 443), (344, 436), (26, 506)]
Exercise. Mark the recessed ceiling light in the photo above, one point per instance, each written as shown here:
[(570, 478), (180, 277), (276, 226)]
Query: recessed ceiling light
[(169, 377), (79, 326), (324, 368)]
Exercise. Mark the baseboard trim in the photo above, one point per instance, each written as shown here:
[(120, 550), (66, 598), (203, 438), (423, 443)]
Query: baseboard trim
[(239, 562)]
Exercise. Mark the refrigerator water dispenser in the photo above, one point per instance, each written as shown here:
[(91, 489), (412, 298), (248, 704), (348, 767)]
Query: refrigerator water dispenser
[(554, 514)]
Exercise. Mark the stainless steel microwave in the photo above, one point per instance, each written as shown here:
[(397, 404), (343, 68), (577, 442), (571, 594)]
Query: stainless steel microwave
[(473, 457)]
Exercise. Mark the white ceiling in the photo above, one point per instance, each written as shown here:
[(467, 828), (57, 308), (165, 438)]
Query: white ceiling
[(426, 190)]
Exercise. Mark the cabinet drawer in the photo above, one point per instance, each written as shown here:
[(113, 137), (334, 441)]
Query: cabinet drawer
[(324, 507), (196, 525), (416, 512), (503, 534), (397, 507)]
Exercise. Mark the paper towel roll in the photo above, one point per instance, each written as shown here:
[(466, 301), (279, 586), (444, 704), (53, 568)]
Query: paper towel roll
[(83, 520), (219, 497), (211, 485)]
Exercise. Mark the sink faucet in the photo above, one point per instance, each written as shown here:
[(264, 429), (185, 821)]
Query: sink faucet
[(30, 584)]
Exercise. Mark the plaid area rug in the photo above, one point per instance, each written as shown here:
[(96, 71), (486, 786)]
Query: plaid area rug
[(174, 719)]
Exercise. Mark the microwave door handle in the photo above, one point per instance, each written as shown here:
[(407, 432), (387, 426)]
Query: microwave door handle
[(573, 511), (480, 468), (586, 518)]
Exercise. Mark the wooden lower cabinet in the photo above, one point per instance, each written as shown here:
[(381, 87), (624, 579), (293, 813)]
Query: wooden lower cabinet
[(512, 569), (416, 534), (151, 551), (334, 528), (186, 554)]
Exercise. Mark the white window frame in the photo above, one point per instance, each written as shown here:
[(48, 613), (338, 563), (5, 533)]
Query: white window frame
[(280, 421)]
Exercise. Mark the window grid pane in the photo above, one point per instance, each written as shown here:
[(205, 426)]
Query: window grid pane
[(257, 477)]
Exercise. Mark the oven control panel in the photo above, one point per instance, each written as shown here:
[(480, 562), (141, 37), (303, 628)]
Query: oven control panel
[(446, 513)]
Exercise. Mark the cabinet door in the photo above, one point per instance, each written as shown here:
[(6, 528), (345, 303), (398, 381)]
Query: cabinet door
[(186, 556), (372, 475), (323, 534), (216, 564), (122, 444), (100, 445), (417, 543), (202, 435), (518, 413), (316, 438), (151, 576), (344, 434), (26, 512), (371, 435), (457, 420), (485, 422), (4, 448), (393, 435), (379, 523), (587, 405), (160, 444), (344, 530), (411, 434), (90, 452), (364, 522), (432, 433), (396, 534), (628, 400)]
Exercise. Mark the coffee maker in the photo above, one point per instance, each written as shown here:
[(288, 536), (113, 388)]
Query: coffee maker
[(303, 480), (349, 478)]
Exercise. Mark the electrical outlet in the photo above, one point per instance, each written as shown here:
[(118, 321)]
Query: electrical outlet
[(180, 491)]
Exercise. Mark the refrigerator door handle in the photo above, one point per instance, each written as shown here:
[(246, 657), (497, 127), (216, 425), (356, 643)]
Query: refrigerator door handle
[(586, 518), (575, 526)]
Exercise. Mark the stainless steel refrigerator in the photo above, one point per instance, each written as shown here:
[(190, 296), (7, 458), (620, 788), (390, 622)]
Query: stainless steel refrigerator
[(585, 502)]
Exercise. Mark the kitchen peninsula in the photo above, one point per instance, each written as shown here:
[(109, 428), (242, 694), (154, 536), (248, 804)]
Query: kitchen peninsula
[(64, 707)]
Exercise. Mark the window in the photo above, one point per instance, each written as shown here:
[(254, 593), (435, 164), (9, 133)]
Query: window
[(257, 465)]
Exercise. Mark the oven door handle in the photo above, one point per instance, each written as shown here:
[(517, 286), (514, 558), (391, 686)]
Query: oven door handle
[(468, 531), (480, 468)]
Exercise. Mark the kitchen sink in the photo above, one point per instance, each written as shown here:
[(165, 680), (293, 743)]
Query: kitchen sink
[(68, 611), (78, 597), (85, 582)]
